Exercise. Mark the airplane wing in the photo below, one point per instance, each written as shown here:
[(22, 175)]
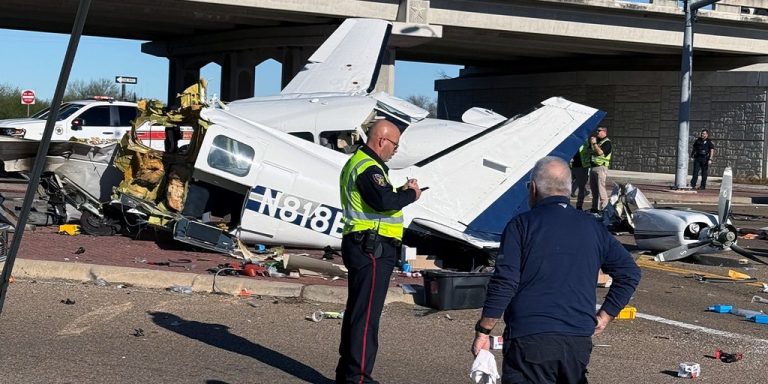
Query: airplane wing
[(348, 62), (478, 185)]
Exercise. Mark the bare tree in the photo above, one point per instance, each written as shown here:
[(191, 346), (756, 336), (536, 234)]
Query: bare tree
[(80, 89), (424, 102)]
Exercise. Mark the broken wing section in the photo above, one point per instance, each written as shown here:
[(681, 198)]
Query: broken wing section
[(477, 186), (347, 62)]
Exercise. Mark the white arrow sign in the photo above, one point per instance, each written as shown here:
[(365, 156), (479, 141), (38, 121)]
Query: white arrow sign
[(126, 80)]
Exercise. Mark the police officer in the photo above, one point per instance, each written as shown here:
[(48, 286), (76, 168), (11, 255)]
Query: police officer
[(373, 229), (702, 155), (601, 159)]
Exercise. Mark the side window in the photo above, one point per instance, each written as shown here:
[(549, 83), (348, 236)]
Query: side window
[(230, 156), (127, 114), (304, 135), (96, 117)]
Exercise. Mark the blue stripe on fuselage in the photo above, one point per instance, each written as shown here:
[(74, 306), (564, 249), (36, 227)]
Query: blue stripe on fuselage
[(515, 200)]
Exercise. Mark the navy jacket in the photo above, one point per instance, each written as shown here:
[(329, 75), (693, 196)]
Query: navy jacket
[(546, 272)]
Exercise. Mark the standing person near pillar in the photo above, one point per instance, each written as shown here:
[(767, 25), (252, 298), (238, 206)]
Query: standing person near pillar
[(702, 155), (600, 147), (373, 230), (580, 165)]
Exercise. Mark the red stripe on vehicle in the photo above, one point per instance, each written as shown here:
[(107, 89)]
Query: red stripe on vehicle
[(367, 318)]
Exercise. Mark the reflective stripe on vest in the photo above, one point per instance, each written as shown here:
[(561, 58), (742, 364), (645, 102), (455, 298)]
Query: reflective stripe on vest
[(584, 155), (359, 216), (604, 160)]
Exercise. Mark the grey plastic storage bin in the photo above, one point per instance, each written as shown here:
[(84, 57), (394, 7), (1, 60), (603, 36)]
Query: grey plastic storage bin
[(455, 290)]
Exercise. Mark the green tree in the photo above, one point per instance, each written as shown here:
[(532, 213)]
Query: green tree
[(10, 103), (81, 89), (423, 102)]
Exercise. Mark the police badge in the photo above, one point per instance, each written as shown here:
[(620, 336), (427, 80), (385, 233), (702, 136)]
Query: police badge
[(379, 179)]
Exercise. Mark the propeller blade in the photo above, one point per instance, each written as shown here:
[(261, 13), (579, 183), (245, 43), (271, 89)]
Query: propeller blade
[(747, 254), (682, 251), (726, 191)]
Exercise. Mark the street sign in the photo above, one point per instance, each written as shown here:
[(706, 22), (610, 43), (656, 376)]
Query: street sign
[(27, 97), (126, 79)]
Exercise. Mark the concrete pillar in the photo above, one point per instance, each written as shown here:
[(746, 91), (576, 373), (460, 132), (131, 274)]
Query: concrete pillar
[(182, 72), (293, 60), (386, 80), (238, 75), (729, 8)]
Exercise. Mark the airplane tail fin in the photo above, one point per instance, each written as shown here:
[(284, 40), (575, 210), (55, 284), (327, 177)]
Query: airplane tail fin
[(480, 184), (348, 62)]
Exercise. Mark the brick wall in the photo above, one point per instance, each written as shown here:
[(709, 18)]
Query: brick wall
[(642, 111)]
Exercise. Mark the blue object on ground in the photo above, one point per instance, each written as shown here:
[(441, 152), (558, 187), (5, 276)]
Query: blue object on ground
[(720, 308)]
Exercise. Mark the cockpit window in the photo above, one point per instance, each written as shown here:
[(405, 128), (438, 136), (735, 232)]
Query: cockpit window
[(230, 156)]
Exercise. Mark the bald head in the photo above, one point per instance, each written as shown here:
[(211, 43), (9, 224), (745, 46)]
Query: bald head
[(552, 177), (383, 139)]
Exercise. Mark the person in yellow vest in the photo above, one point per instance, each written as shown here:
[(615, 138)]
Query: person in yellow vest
[(370, 246), (580, 165), (600, 146)]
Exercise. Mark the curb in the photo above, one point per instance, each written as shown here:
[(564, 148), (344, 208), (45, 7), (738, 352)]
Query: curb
[(147, 278)]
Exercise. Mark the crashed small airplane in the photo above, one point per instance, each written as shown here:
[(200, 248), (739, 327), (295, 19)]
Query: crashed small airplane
[(250, 174), (679, 233)]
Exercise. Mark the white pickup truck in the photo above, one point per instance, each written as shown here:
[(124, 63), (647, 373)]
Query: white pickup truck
[(97, 120)]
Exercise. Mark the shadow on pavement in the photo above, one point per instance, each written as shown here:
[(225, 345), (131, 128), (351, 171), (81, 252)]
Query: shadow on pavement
[(218, 335)]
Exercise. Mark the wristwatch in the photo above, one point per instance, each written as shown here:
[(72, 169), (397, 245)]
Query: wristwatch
[(480, 329)]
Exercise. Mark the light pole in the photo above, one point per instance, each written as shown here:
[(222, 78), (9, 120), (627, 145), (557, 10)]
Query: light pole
[(690, 7)]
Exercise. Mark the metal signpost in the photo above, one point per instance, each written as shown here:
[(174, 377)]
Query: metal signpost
[(123, 80), (27, 98), (684, 113), (45, 142)]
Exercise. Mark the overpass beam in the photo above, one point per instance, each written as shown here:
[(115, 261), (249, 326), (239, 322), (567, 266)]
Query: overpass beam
[(386, 80), (238, 74), (293, 61)]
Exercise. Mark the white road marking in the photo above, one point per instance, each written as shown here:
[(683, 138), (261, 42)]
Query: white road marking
[(699, 328), (93, 318)]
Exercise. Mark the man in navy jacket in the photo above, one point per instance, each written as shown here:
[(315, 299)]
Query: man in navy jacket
[(545, 280)]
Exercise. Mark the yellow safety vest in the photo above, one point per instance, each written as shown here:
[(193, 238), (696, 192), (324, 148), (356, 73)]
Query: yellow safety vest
[(604, 160), (358, 215)]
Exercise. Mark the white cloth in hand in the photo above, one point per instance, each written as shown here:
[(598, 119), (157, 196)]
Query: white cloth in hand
[(484, 369)]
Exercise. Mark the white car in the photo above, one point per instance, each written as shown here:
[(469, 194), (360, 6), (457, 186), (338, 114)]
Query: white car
[(99, 121)]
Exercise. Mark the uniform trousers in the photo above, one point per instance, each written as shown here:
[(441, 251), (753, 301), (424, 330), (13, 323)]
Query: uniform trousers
[(700, 164), (546, 358), (367, 287), (597, 177)]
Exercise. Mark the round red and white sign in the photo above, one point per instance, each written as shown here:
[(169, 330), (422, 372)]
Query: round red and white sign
[(28, 97)]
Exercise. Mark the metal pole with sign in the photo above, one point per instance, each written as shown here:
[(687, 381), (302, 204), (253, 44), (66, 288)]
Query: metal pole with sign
[(45, 141), (684, 113), (27, 98), (123, 80)]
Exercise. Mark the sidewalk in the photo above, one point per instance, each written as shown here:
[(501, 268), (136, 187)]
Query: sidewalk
[(122, 260)]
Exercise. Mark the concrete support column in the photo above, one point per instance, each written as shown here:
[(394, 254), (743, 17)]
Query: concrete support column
[(730, 8), (293, 61), (238, 75), (386, 80), (182, 72)]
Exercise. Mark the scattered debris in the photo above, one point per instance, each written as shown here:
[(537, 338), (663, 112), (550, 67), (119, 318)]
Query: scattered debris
[(180, 289), (138, 332), (101, 282), (691, 370), (12, 280), (408, 289), (309, 266), (759, 299), (68, 302), (69, 229), (448, 316), (662, 337), (318, 316), (329, 253), (245, 293), (700, 277), (80, 250), (738, 275), (627, 313), (728, 357)]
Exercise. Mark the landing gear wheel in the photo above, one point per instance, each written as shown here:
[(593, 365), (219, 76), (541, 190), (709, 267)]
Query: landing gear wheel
[(97, 226)]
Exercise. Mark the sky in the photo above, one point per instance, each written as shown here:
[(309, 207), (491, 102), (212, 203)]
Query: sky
[(32, 60)]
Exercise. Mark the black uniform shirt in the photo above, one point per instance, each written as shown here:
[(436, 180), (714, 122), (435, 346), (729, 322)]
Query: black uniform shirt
[(376, 191), (702, 148)]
